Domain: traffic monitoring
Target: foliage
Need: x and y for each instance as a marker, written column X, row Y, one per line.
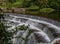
column 11, row 1
column 33, row 7
column 55, row 4
column 23, row 27
column 46, row 10
column 18, row 4
column 35, row 3
column 5, row 36
column 26, row 4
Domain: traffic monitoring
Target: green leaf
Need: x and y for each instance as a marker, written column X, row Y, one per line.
column 46, row 10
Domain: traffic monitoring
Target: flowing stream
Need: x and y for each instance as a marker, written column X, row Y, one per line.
column 44, row 30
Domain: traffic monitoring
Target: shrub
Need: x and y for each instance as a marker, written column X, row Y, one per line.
column 46, row 10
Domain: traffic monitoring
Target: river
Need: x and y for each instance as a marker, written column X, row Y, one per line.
column 45, row 30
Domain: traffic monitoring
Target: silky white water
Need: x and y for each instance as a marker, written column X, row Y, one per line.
column 40, row 28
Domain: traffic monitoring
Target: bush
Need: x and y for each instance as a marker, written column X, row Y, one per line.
column 33, row 8
column 18, row 4
column 46, row 10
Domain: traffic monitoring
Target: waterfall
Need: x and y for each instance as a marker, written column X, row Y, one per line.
column 43, row 29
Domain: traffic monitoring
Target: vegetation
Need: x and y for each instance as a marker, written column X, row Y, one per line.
column 44, row 8
column 54, row 4
column 5, row 36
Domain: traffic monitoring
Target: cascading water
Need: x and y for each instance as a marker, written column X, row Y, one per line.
column 44, row 30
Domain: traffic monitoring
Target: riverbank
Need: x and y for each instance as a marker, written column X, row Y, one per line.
column 34, row 13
